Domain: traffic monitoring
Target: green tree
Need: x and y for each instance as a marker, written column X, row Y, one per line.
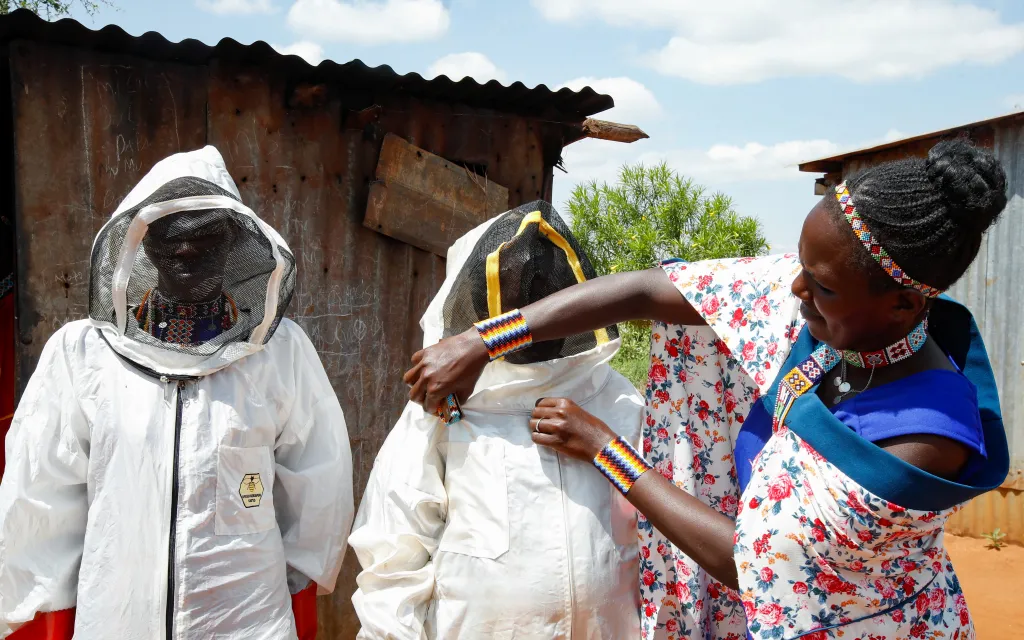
column 51, row 9
column 653, row 213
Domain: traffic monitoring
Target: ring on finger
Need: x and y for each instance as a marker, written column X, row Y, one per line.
column 536, row 427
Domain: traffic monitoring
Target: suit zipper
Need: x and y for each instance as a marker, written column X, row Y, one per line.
column 172, row 538
column 568, row 546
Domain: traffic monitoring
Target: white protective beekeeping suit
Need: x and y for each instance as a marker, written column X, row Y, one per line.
column 472, row 531
column 175, row 470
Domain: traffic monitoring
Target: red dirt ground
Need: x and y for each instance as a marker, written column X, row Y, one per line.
column 993, row 582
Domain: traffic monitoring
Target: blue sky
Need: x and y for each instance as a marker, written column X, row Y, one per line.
column 732, row 92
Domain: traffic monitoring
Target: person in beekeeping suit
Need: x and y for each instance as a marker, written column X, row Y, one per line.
column 473, row 531
column 179, row 465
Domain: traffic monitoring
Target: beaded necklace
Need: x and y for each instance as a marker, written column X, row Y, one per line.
column 184, row 323
column 895, row 352
column 812, row 370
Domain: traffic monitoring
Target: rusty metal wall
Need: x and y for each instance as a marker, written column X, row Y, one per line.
column 993, row 288
column 1001, row 509
column 87, row 126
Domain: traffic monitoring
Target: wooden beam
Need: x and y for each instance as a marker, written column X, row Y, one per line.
column 604, row 130
column 427, row 201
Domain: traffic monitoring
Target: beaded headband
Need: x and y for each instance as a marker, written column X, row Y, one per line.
column 884, row 260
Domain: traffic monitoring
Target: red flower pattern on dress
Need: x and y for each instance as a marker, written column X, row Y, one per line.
column 710, row 306
column 770, row 615
column 842, row 564
column 780, row 488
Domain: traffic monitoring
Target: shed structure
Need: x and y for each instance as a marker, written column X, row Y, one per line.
column 368, row 174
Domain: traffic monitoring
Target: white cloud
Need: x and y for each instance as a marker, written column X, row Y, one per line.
column 720, row 164
column 460, row 65
column 762, row 179
column 311, row 52
column 634, row 102
column 743, row 41
column 370, row 21
column 724, row 163
column 236, row 7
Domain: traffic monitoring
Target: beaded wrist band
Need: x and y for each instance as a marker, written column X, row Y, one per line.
column 450, row 412
column 505, row 334
column 622, row 464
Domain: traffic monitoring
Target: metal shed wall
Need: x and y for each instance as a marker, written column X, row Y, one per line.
column 993, row 289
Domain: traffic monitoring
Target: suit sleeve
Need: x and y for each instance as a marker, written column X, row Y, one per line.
column 43, row 497
column 313, row 481
column 397, row 530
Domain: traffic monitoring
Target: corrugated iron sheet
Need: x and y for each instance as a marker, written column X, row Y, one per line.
column 1002, row 509
column 563, row 105
column 88, row 125
column 843, row 161
column 993, row 289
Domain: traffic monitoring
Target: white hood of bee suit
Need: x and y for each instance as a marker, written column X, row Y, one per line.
column 508, row 380
column 191, row 181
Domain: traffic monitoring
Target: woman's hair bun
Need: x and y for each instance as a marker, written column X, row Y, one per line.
column 970, row 181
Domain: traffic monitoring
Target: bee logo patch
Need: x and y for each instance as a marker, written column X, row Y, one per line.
column 251, row 490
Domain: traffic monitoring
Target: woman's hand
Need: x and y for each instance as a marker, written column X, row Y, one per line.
column 450, row 366
column 561, row 424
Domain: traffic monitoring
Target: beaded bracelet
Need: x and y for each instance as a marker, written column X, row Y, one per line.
column 505, row 334
column 621, row 463
column 450, row 412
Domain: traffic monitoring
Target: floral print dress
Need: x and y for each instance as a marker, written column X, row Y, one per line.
column 698, row 397
column 817, row 553
column 820, row 554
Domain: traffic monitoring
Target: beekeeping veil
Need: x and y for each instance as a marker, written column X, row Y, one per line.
column 519, row 257
column 185, row 279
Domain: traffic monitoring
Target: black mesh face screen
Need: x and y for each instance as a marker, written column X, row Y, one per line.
column 199, row 279
column 531, row 266
column 189, row 252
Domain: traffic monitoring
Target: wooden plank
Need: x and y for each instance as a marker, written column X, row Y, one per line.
column 427, row 201
column 87, row 127
column 612, row 131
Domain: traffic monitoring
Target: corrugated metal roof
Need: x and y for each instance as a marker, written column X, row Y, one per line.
column 834, row 163
column 564, row 104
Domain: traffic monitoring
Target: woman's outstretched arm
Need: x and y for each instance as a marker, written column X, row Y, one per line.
column 454, row 364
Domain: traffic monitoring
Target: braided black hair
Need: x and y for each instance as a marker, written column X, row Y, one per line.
column 929, row 214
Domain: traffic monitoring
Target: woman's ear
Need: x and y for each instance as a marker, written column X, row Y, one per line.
column 907, row 305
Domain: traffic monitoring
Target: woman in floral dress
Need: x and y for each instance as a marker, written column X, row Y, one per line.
column 815, row 418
